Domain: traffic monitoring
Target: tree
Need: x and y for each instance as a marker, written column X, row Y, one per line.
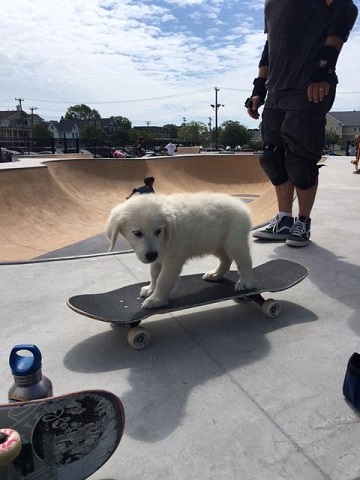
column 92, row 132
column 41, row 135
column 82, row 112
column 122, row 130
column 233, row 133
column 41, row 131
column 173, row 130
column 192, row 133
column 332, row 138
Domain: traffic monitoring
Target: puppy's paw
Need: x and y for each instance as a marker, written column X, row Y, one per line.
column 243, row 286
column 146, row 291
column 212, row 276
column 153, row 302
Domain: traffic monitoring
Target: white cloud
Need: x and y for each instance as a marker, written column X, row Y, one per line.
column 116, row 55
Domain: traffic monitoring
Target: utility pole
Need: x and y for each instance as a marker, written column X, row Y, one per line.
column 20, row 105
column 20, row 100
column 32, row 126
column 32, row 116
column 210, row 132
column 216, row 107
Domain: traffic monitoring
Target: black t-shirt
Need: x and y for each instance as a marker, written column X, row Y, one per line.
column 144, row 189
column 296, row 30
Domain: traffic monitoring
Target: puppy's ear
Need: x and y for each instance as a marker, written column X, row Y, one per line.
column 114, row 225
column 170, row 226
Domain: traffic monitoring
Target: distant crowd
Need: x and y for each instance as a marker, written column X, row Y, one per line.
column 140, row 150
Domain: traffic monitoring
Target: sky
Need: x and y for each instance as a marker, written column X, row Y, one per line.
column 152, row 61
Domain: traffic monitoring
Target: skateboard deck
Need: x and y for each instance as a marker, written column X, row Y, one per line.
column 123, row 305
column 67, row 437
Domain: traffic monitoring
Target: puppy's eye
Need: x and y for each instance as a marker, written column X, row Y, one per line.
column 137, row 233
column 158, row 231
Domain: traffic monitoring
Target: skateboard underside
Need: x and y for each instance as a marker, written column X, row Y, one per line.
column 67, row 437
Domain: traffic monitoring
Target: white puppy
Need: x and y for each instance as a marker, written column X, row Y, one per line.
column 167, row 230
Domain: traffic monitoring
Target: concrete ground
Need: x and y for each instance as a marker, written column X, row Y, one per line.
column 221, row 392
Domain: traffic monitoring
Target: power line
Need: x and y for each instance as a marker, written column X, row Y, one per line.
column 123, row 101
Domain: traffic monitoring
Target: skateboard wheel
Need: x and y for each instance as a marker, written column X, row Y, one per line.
column 271, row 308
column 10, row 445
column 138, row 338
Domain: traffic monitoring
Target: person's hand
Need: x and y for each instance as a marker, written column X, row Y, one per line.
column 252, row 109
column 317, row 91
column 257, row 97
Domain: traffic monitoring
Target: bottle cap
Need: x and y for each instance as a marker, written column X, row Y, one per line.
column 25, row 364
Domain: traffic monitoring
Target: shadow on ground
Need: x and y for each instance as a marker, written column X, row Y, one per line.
column 187, row 351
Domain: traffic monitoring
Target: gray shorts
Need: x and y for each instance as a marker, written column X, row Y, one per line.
column 290, row 121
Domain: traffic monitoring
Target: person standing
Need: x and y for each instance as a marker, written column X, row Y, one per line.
column 297, row 82
column 357, row 156
column 139, row 147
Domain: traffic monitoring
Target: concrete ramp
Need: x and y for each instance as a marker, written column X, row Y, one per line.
column 64, row 201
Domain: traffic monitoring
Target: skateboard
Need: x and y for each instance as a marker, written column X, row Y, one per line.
column 124, row 304
column 65, row 438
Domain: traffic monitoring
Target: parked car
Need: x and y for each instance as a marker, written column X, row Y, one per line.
column 5, row 155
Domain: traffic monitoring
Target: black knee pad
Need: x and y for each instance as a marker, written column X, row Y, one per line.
column 303, row 172
column 272, row 161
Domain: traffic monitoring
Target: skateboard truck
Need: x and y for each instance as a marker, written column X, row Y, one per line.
column 270, row 307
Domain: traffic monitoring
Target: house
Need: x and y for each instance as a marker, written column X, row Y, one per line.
column 66, row 131
column 344, row 124
column 70, row 129
column 16, row 126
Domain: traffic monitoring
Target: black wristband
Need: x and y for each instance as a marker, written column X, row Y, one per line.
column 325, row 67
column 259, row 90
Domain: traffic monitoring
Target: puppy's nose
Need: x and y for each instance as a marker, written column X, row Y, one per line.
column 151, row 256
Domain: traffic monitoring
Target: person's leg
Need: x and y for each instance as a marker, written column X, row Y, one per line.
column 306, row 199
column 272, row 161
column 299, row 235
column 285, row 196
column 303, row 174
column 280, row 226
column 303, row 131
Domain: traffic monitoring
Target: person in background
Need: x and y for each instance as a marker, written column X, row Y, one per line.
column 297, row 82
column 170, row 148
column 139, row 147
column 118, row 153
column 357, row 156
column 146, row 188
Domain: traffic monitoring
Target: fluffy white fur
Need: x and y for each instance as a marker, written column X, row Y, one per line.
column 167, row 230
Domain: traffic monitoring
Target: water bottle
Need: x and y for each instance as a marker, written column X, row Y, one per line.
column 29, row 382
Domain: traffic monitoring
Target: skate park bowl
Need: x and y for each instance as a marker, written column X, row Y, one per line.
column 51, row 204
